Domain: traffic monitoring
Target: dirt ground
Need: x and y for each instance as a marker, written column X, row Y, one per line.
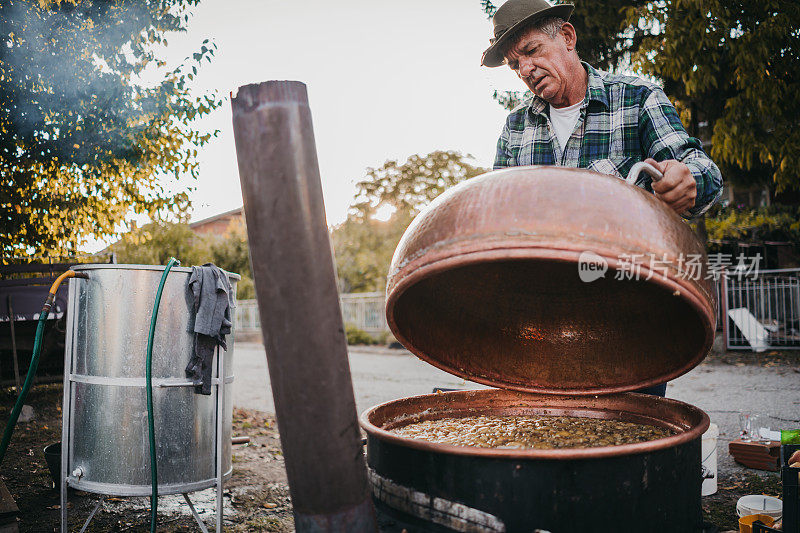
column 256, row 498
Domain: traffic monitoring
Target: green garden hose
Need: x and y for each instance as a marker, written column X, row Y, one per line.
column 150, row 421
column 37, row 349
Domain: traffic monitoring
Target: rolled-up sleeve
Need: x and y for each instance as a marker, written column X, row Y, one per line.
column 663, row 137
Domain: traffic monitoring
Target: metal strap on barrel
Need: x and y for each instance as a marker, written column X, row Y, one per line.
column 453, row 515
column 137, row 382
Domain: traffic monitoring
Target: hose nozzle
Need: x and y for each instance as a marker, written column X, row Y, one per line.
column 54, row 287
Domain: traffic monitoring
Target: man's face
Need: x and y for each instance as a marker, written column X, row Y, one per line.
column 543, row 63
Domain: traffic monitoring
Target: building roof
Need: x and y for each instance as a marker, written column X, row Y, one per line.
column 239, row 211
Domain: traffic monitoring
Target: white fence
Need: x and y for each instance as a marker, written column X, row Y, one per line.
column 762, row 311
column 247, row 318
column 362, row 310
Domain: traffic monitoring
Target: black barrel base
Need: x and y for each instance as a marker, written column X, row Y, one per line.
column 658, row 491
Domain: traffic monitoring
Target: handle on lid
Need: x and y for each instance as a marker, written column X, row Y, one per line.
column 647, row 168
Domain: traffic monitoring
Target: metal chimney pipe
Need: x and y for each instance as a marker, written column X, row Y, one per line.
column 293, row 270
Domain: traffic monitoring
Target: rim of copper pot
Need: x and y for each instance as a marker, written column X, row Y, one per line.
column 698, row 424
column 446, row 258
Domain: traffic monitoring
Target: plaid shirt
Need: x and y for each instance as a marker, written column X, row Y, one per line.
column 623, row 120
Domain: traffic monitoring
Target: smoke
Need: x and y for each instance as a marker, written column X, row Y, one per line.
column 84, row 140
column 69, row 82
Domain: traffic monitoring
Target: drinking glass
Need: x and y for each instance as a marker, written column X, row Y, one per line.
column 755, row 427
column 745, row 428
column 762, row 428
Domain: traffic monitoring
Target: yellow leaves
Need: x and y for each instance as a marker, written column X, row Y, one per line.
column 46, row 4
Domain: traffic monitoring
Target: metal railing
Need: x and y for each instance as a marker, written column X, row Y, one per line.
column 762, row 311
column 247, row 319
column 365, row 311
column 362, row 310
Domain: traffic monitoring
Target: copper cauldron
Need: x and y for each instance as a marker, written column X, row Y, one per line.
column 485, row 284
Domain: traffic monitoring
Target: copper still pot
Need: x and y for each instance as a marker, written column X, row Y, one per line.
column 566, row 288
column 485, row 284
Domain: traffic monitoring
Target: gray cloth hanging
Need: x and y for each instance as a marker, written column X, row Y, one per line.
column 213, row 302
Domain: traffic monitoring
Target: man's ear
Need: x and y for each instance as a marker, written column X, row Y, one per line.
column 568, row 31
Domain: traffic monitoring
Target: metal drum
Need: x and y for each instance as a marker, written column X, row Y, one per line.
column 105, row 410
column 649, row 486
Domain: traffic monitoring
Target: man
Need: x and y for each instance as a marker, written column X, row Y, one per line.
column 582, row 117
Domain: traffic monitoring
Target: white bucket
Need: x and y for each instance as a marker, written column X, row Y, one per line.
column 759, row 504
column 708, row 455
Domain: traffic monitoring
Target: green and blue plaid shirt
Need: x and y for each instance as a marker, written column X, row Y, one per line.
column 623, row 120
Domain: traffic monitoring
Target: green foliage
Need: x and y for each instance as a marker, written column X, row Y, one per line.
column 155, row 243
column 358, row 336
column 731, row 68
column 772, row 223
column 363, row 244
column 246, row 289
column 363, row 250
column 231, row 252
column 734, row 66
column 84, row 141
column 409, row 186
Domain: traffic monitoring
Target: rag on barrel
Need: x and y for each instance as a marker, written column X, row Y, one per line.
column 213, row 302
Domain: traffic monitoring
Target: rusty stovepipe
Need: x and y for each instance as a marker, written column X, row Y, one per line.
column 293, row 270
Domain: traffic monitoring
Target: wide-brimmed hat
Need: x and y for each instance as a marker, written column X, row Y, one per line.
column 514, row 15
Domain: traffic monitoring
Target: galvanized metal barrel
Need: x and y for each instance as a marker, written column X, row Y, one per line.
column 105, row 400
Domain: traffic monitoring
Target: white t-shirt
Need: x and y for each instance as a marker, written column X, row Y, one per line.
column 564, row 121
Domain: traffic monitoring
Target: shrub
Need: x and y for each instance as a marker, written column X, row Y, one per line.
column 770, row 223
column 357, row 336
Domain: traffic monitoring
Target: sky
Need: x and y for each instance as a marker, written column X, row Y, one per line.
column 385, row 80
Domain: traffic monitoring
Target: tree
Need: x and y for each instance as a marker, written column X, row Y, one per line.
column 363, row 244
column 155, row 243
column 731, row 68
column 232, row 253
column 409, row 186
column 363, row 250
column 84, row 141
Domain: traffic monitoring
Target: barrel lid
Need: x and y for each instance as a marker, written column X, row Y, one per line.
column 485, row 284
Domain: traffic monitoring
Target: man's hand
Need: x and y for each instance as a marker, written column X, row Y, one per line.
column 794, row 460
column 677, row 188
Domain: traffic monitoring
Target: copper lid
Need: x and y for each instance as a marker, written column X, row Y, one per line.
column 485, row 284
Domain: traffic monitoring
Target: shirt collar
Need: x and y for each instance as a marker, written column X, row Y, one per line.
column 595, row 90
